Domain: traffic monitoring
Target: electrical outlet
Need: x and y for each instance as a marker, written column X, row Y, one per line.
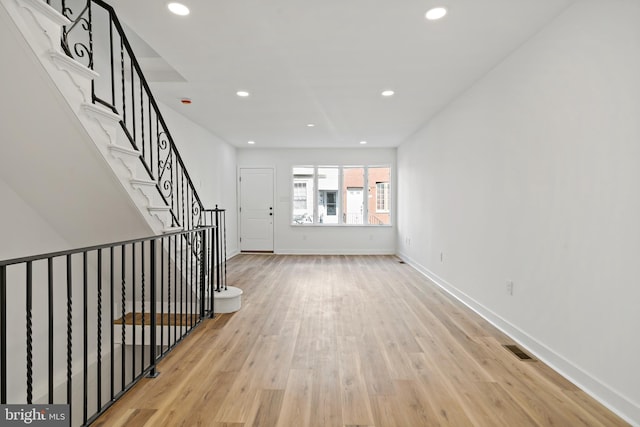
column 510, row 288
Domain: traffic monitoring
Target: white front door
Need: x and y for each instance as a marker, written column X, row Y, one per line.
column 256, row 209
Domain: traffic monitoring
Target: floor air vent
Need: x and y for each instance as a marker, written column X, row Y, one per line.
column 520, row 354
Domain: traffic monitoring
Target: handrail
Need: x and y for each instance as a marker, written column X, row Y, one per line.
column 131, row 92
column 88, row 248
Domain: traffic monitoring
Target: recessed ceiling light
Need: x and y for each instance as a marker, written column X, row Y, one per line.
column 436, row 13
column 251, row 142
column 387, row 93
column 363, row 142
column 242, row 93
column 311, row 125
column 178, row 9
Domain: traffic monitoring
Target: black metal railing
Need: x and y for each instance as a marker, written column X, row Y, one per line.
column 97, row 39
column 218, row 218
column 81, row 327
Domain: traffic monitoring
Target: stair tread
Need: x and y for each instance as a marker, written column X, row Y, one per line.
column 167, row 319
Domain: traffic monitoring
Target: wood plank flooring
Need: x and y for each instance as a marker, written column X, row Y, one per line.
column 339, row 341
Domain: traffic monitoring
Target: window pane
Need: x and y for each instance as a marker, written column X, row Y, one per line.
column 328, row 195
column 378, row 205
column 302, row 195
column 353, row 195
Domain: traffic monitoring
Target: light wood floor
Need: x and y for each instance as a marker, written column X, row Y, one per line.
column 349, row 341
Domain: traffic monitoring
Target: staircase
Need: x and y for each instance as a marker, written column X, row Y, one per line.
column 160, row 287
column 129, row 132
column 95, row 69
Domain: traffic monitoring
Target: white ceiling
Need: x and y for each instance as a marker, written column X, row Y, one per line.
column 324, row 62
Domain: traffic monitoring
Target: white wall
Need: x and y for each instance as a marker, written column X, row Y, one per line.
column 211, row 163
column 321, row 239
column 532, row 176
column 28, row 232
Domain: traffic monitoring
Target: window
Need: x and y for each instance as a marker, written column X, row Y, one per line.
column 341, row 195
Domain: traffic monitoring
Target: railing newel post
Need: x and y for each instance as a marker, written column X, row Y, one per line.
column 217, row 249
column 203, row 268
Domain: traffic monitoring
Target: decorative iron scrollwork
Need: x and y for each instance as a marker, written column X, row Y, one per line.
column 196, row 243
column 165, row 165
column 81, row 50
column 167, row 188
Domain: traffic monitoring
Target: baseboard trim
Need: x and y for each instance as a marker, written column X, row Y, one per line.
column 334, row 252
column 607, row 396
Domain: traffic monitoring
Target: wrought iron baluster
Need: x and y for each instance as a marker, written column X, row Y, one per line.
column 150, row 137
column 112, row 62
column 224, row 252
column 143, row 304
column 169, row 296
column 50, row 312
column 123, row 294
column 175, row 290
column 123, row 82
column 133, row 103
column 133, row 317
column 182, row 277
column 111, row 319
column 99, row 338
column 85, row 349
column 91, row 56
column 188, row 279
column 184, row 225
column 69, row 331
column 217, row 251
column 29, row 319
column 3, row 334
column 142, row 141
column 152, row 338
column 161, row 295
